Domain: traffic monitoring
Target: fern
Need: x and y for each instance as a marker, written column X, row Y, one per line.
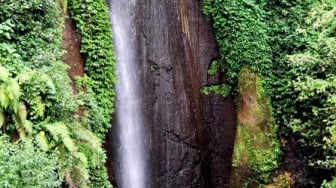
column 36, row 99
column 4, row 74
column 4, row 99
column 60, row 133
column 23, row 165
column 81, row 175
column 13, row 91
column 42, row 141
column 24, row 127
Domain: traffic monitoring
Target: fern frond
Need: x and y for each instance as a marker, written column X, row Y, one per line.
column 13, row 89
column 84, row 134
column 4, row 99
column 20, row 118
column 42, row 141
column 70, row 180
column 23, row 77
column 60, row 132
column 89, row 144
column 4, row 74
column 81, row 175
column 24, row 127
column 82, row 158
column 22, row 111
column 95, row 156
column 76, row 176
column 64, row 4
column 48, row 81
column 39, row 106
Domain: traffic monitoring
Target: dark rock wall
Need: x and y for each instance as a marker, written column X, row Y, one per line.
column 189, row 136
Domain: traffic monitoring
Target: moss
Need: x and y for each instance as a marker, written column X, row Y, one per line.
column 256, row 148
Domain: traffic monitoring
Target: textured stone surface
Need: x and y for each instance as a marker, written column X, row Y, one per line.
column 255, row 143
column 189, row 135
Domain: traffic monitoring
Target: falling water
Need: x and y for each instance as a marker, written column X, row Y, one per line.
column 129, row 116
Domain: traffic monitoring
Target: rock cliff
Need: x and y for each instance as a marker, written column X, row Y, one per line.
column 190, row 136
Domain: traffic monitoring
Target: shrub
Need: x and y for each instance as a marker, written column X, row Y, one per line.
column 22, row 164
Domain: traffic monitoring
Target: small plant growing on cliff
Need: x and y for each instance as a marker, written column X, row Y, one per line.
column 223, row 90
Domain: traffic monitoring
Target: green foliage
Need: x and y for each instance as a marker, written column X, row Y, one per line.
column 36, row 98
column 10, row 103
column 315, row 84
column 330, row 184
column 33, row 27
column 23, row 165
column 241, row 34
column 264, row 161
column 69, row 138
column 92, row 112
column 214, row 68
column 297, row 39
column 223, row 90
column 303, row 92
column 99, row 178
column 92, row 21
column 286, row 18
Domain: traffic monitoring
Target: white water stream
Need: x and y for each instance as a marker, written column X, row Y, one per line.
column 128, row 109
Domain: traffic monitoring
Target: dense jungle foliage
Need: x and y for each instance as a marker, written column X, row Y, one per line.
column 43, row 143
column 291, row 45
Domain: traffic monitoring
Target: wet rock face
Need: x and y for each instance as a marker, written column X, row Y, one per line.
column 189, row 135
column 172, row 106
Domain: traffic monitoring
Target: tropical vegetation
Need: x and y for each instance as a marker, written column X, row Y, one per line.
column 291, row 46
column 44, row 141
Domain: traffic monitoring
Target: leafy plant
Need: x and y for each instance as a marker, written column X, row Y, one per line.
column 330, row 184
column 223, row 90
column 36, row 98
column 23, row 165
column 315, row 84
column 303, row 89
column 92, row 21
column 69, row 138
column 10, row 104
column 241, row 33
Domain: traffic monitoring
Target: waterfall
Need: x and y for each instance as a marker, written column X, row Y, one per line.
column 128, row 103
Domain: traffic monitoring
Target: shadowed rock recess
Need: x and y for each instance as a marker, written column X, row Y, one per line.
column 189, row 135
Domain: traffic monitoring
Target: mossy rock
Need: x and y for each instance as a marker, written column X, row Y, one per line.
column 256, row 148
